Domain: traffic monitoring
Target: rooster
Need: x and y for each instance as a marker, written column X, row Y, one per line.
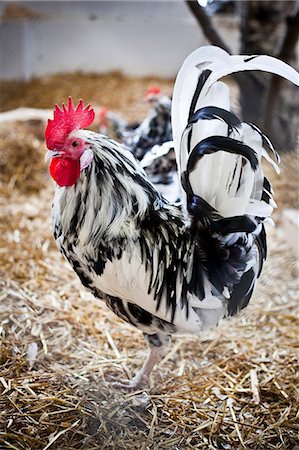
column 150, row 141
column 155, row 129
column 168, row 269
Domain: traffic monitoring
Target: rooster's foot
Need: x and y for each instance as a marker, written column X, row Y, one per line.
column 136, row 383
column 158, row 346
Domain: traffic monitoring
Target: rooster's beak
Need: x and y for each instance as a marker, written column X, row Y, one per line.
column 50, row 154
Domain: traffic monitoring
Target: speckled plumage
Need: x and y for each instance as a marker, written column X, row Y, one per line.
column 164, row 268
column 129, row 246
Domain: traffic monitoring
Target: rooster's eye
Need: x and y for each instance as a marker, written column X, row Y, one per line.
column 75, row 144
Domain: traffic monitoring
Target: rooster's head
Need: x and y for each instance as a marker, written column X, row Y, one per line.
column 152, row 94
column 67, row 149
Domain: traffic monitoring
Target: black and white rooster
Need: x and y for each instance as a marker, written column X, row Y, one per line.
column 163, row 268
column 155, row 128
column 150, row 141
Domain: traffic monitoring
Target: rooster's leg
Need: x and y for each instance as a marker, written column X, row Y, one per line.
column 158, row 345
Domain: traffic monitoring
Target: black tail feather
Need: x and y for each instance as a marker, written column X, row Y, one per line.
column 235, row 224
column 215, row 144
column 200, row 210
column 200, row 84
column 213, row 112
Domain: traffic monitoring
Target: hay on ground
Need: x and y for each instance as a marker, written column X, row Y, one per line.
column 233, row 388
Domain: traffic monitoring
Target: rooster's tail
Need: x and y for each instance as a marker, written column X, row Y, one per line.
column 219, row 161
column 231, row 178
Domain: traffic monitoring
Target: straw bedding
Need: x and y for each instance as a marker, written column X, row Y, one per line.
column 233, row 388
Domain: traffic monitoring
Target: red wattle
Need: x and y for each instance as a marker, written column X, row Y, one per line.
column 65, row 171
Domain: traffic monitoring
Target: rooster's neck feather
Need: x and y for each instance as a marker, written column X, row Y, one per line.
column 111, row 196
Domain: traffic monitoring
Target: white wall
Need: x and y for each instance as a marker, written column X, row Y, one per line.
column 136, row 37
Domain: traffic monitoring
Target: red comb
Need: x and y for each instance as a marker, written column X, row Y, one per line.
column 65, row 121
column 152, row 90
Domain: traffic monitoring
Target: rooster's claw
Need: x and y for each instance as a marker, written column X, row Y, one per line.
column 136, row 383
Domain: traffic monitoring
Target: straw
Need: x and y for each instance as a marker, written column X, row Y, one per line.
column 232, row 388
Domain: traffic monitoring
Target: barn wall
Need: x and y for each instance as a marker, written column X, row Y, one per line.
column 136, row 37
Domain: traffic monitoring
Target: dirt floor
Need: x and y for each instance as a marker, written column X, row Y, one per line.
column 233, row 388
